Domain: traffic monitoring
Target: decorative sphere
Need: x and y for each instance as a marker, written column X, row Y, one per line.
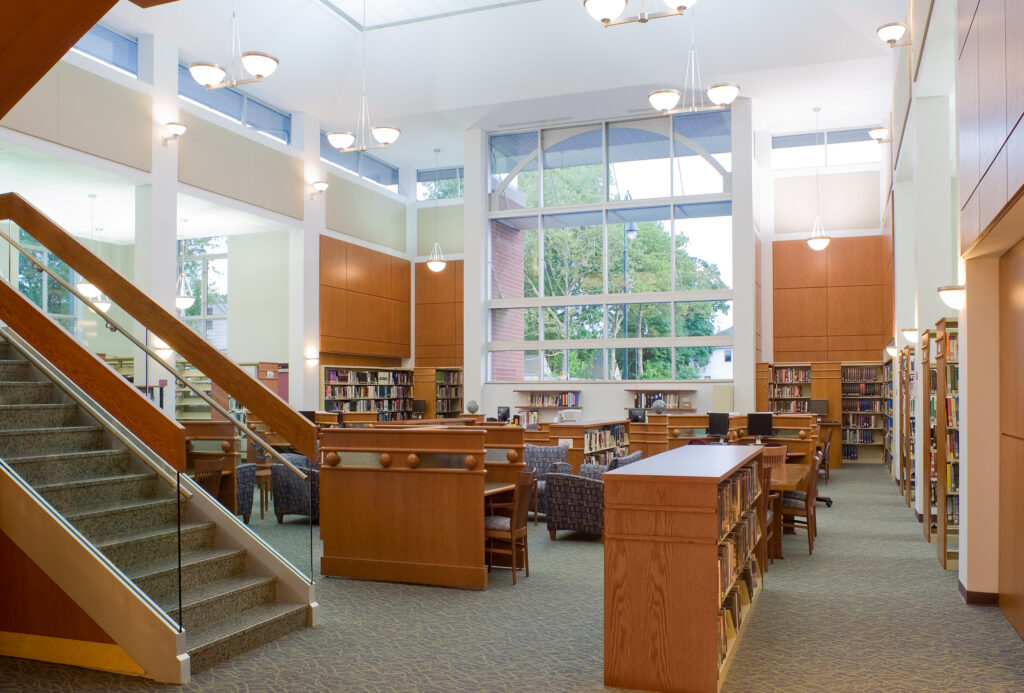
column 512, row 456
column 675, row 432
column 803, row 435
column 472, row 407
column 385, row 460
column 413, row 460
column 227, row 446
column 658, row 407
column 333, row 458
column 470, row 462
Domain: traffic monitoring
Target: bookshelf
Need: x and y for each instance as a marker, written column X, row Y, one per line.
column 188, row 406
column 888, row 451
column 928, row 380
column 386, row 392
column 125, row 365
column 683, row 523
column 863, row 412
column 591, row 441
column 947, row 442
column 441, row 389
column 908, row 422
column 538, row 401
column 675, row 400
column 789, row 389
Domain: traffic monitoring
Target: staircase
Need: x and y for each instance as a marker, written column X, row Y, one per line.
column 129, row 513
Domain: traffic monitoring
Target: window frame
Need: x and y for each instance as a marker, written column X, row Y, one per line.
column 204, row 294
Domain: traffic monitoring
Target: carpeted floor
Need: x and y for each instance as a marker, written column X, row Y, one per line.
column 869, row 611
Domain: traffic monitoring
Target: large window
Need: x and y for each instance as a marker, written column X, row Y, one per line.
column 204, row 264
column 611, row 251
column 236, row 106
column 110, row 48
column 439, row 183
column 361, row 164
column 824, row 148
column 40, row 288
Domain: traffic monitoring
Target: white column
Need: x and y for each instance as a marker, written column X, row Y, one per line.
column 304, row 272
column 474, row 326
column 744, row 305
column 765, row 220
column 903, row 286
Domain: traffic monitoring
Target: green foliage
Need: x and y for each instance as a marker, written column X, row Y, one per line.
column 441, row 189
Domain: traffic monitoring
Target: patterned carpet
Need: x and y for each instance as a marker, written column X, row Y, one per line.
column 869, row 611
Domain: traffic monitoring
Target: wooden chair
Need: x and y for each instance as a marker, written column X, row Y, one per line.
column 798, row 506
column 774, row 457
column 210, row 474
column 770, row 518
column 510, row 530
column 696, row 441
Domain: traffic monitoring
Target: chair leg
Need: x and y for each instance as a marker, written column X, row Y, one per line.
column 280, row 518
column 536, row 494
column 551, row 533
column 515, row 550
column 526, row 555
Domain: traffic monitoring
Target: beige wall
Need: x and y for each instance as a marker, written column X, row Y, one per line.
column 357, row 211
column 848, row 201
column 212, row 158
column 75, row 108
column 258, row 297
column 450, row 224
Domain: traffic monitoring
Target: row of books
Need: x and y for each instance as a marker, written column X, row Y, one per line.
column 792, row 375
column 952, row 378
column 672, row 400
column 733, row 553
column 862, row 420
column 343, row 375
column 952, row 511
column 863, row 389
column 551, row 399
column 952, row 347
column 444, row 391
column 953, row 411
column 732, row 608
column 792, row 406
column 850, row 452
column 601, row 438
column 448, row 406
column 864, row 405
column 953, row 443
column 858, row 374
column 366, row 391
column 735, row 495
column 369, row 405
column 605, row 457
column 853, row 435
column 787, row 391
column 448, row 377
column 952, row 477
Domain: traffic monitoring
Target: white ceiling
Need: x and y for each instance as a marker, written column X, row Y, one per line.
column 542, row 61
column 384, row 13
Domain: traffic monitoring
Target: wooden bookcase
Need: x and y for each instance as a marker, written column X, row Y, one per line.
column 680, row 567
column 188, row 406
column 864, row 397
column 927, row 382
column 592, row 441
column 441, row 389
column 386, row 392
column 782, row 387
column 888, row 450
column 675, row 400
column 908, row 427
column 553, row 401
column 947, row 442
column 789, row 388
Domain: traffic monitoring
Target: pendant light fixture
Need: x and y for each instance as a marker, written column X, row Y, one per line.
column 720, row 95
column 436, row 262
column 85, row 287
column 819, row 240
column 366, row 135
column 183, row 298
column 256, row 63
column 608, row 11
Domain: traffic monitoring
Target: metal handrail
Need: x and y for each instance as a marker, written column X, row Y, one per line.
column 182, row 378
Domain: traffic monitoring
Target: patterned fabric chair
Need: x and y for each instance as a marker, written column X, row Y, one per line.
column 292, row 494
column 591, row 470
column 246, row 475
column 626, row 459
column 538, row 459
column 576, row 503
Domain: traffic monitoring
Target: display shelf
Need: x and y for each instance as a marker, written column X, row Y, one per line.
column 547, row 400
column 591, row 441
column 675, row 400
column 386, row 392
column 947, row 443
column 441, row 389
column 863, row 408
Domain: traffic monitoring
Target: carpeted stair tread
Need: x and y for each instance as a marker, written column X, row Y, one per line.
column 210, row 591
column 51, row 467
column 74, row 454
column 130, row 551
column 94, row 481
column 188, row 559
column 50, row 430
column 14, row 416
column 153, row 533
column 126, row 505
column 255, row 619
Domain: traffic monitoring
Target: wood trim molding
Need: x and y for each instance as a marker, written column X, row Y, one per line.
column 977, row 598
column 252, row 394
column 105, row 385
column 78, row 653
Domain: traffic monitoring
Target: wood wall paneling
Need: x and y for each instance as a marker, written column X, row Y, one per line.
column 970, row 222
column 795, row 265
column 1011, row 342
column 1011, row 537
column 965, row 10
column 1014, row 29
column 357, row 269
column 818, row 343
column 855, row 310
column 992, row 191
column 854, row 261
column 333, row 263
column 439, row 315
column 969, row 169
column 989, row 23
column 800, row 312
column 1014, row 152
column 333, row 311
column 401, row 280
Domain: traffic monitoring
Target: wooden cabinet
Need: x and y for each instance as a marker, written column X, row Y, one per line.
column 441, row 389
column 385, row 392
column 591, row 441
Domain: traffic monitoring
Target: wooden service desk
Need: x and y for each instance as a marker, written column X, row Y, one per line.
column 404, row 505
column 662, row 591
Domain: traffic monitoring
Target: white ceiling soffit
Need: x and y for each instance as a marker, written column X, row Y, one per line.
column 848, row 201
column 383, row 14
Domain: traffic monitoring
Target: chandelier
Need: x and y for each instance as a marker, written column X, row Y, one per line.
column 819, row 240
column 608, row 11
column 256, row 63
column 719, row 95
column 366, row 135
column 436, row 261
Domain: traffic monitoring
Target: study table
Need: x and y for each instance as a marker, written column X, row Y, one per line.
column 786, row 477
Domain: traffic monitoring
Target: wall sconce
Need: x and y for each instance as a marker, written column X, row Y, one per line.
column 954, row 296
column 891, row 350
column 318, row 188
column 880, row 135
column 892, row 33
column 174, row 131
column 910, row 334
column 311, row 355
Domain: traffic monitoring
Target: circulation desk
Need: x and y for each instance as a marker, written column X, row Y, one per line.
column 663, row 587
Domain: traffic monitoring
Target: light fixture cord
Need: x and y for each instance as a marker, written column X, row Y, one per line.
column 817, row 169
column 437, row 175
column 236, row 45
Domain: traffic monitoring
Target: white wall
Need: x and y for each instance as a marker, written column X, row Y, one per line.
column 258, row 297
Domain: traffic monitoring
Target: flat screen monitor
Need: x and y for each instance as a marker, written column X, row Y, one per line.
column 311, row 415
column 759, row 424
column 818, row 406
column 419, row 406
column 718, row 424
column 503, row 414
column 637, row 415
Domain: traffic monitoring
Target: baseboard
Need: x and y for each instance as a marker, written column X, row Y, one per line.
column 978, row 598
column 918, row 516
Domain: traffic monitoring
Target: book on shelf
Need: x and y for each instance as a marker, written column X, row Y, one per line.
column 862, row 420
column 599, row 440
column 859, row 374
column 952, row 347
column 793, row 406
column 787, row 391
column 735, row 495
column 863, row 405
column 797, row 374
column 862, row 389
column 672, row 400
column 448, row 377
column 565, row 400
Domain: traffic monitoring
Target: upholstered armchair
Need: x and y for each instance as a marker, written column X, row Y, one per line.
column 591, row 470
column 246, row 475
column 626, row 459
column 538, row 459
column 574, row 502
column 292, row 494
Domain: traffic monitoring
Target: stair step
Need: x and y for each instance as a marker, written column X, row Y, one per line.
column 42, row 441
column 28, row 392
column 221, row 599
column 48, row 469
column 37, row 415
column 99, row 524
column 83, row 494
column 149, row 546
column 244, row 631
column 13, row 370
column 3, row 349
column 159, row 579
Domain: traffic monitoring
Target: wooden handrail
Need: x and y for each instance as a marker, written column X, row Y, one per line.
column 164, row 436
column 270, row 408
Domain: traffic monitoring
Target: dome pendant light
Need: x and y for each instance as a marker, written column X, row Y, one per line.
column 720, row 95
column 436, row 262
column 819, row 240
column 183, row 298
column 256, row 63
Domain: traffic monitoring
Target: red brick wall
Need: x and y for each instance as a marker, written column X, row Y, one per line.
column 507, row 274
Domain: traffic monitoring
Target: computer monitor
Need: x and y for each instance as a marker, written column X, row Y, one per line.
column 818, row 406
column 718, row 425
column 637, row 415
column 504, row 414
column 759, row 424
column 419, row 408
column 311, row 415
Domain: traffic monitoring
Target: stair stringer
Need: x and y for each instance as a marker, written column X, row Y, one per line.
column 146, row 634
